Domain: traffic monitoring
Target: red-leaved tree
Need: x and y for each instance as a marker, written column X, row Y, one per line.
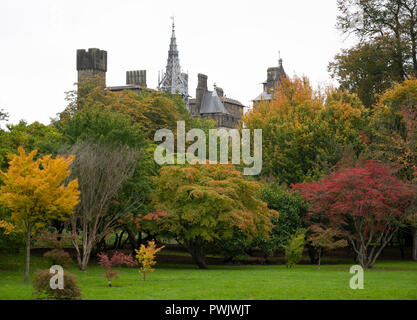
column 118, row 259
column 366, row 204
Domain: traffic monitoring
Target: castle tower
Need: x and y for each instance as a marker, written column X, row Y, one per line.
column 274, row 76
column 91, row 63
column 173, row 80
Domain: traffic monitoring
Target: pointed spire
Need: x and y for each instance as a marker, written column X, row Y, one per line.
column 173, row 80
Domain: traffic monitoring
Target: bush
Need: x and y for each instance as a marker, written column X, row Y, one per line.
column 291, row 207
column 42, row 288
column 59, row 257
column 294, row 249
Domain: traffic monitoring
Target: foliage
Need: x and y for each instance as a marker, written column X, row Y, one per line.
column 146, row 257
column 58, row 257
column 117, row 259
column 392, row 22
column 150, row 110
column 294, row 249
column 365, row 204
column 200, row 204
column 35, row 192
column 324, row 239
column 291, row 208
column 42, row 288
column 35, row 136
column 366, row 69
column 303, row 136
column 394, row 129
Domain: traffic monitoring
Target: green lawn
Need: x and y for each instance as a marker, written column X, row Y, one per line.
column 388, row 280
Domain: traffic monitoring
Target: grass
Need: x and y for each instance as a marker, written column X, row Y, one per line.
column 387, row 280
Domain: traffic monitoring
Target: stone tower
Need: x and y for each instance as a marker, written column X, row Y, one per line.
column 91, row 63
column 274, row 76
column 173, row 80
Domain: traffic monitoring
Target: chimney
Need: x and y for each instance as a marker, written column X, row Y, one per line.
column 137, row 77
column 201, row 89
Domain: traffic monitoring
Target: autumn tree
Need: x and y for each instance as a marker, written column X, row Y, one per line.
column 35, row 191
column 146, row 256
column 393, row 135
column 117, row 259
column 366, row 204
column 324, row 239
column 203, row 203
column 304, row 132
column 150, row 110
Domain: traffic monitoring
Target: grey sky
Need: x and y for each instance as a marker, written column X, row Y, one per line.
column 233, row 42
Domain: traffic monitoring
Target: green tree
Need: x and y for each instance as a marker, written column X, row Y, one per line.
column 366, row 69
column 393, row 22
column 291, row 207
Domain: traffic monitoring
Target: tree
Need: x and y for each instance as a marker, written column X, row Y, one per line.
column 366, row 69
column 392, row 21
column 35, row 192
column 117, row 259
column 291, row 208
column 366, row 204
column 199, row 204
column 35, row 136
column 150, row 110
column 393, row 136
column 101, row 171
column 114, row 166
column 303, row 136
column 146, row 257
column 4, row 116
column 294, row 249
column 324, row 239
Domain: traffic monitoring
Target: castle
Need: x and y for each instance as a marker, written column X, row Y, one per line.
column 226, row 112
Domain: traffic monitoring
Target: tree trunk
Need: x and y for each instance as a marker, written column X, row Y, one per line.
column 414, row 255
column 312, row 253
column 28, row 253
column 198, row 255
column 319, row 258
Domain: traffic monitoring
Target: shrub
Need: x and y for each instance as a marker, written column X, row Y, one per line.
column 294, row 249
column 42, row 288
column 58, row 256
column 146, row 257
column 291, row 207
column 117, row 259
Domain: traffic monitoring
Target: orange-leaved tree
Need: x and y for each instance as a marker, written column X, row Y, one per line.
column 199, row 204
column 146, row 257
column 36, row 192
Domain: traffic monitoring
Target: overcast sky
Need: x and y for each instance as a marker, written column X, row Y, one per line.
column 233, row 42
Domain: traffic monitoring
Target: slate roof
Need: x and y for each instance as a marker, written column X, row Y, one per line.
column 263, row 96
column 212, row 104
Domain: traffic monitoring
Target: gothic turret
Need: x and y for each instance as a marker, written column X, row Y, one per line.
column 173, row 80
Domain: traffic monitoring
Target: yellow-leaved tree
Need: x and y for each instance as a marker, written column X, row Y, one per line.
column 36, row 192
column 146, row 257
